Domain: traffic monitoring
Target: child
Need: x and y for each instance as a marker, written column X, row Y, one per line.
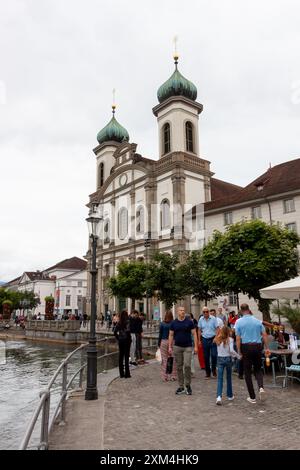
column 225, row 353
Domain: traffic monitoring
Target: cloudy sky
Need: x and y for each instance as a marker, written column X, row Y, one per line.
column 59, row 61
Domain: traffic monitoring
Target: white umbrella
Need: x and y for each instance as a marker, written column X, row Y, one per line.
column 284, row 290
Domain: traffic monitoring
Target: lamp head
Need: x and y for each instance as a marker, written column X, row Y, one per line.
column 93, row 223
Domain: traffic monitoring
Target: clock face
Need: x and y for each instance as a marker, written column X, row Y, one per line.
column 123, row 179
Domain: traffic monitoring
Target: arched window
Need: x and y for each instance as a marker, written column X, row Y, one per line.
column 106, row 231
column 140, row 220
column 189, row 137
column 166, row 138
column 101, row 174
column 123, row 223
column 106, row 270
column 165, row 215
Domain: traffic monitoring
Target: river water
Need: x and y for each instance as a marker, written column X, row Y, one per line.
column 28, row 369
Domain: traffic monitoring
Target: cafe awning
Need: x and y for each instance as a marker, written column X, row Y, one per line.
column 284, row 290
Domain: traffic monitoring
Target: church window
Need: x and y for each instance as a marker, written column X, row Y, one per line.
column 189, row 136
column 106, row 270
column 123, row 223
column 166, row 138
column 165, row 214
column 106, row 231
column 101, row 174
column 140, row 220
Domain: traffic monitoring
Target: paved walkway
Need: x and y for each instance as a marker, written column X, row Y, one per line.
column 144, row 413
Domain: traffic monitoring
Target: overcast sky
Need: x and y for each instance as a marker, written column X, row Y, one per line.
column 59, row 61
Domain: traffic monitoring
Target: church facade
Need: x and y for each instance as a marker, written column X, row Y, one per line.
column 147, row 204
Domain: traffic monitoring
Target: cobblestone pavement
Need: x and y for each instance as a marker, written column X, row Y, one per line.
column 144, row 413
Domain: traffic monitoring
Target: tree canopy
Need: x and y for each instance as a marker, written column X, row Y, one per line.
column 26, row 299
column 191, row 277
column 163, row 278
column 129, row 281
column 250, row 256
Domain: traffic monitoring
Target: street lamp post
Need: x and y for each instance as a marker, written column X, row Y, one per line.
column 147, row 244
column 91, row 392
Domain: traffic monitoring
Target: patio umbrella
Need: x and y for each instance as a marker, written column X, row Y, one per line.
column 284, row 290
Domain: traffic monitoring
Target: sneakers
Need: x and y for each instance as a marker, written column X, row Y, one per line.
column 207, row 377
column 188, row 390
column 219, row 401
column 262, row 394
column 180, row 391
column 230, row 398
column 251, row 400
column 133, row 363
column 241, row 377
column 214, row 375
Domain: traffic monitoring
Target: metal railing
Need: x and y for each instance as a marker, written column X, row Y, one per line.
column 43, row 407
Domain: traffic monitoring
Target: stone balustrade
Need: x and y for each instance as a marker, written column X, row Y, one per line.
column 62, row 325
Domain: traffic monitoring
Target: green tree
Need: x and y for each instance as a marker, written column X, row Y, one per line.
column 250, row 256
column 130, row 281
column 190, row 277
column 17, row 298
column 163, row 278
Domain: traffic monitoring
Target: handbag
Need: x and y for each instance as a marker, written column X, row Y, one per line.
column 169, row 367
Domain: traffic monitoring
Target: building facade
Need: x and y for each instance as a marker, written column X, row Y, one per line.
column 143, row 202
column 66, row 282
column 273, row 197
column 172, row 203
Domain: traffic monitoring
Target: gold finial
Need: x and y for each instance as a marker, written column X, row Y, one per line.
column 114, row 101
column 176, row 56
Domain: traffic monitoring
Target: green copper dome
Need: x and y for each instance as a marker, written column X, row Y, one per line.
column 177, row 85
column 113, row 131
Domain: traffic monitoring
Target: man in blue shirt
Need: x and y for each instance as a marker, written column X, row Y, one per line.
column 208, row 327
column 181, row 331
column 249, row 335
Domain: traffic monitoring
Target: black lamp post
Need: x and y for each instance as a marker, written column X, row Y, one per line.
column 91, row 392
column 147, row 244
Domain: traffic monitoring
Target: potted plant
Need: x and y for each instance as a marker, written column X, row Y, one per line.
column 7, row 309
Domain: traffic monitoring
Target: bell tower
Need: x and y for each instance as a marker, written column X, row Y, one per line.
column 178, row 115
column 109, row 138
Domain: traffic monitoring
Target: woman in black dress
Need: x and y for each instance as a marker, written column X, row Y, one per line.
column 122, row 333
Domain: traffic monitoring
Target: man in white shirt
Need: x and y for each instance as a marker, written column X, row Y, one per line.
column 214, row 314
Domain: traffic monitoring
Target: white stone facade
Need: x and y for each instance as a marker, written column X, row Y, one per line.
column 143, row 198
column 70, row 293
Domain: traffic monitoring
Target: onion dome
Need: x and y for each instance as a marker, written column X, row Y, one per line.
column 113, row 131
column 177, row 85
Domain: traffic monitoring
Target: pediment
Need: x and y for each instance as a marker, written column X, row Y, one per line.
column 124, row 154
column 123, row 177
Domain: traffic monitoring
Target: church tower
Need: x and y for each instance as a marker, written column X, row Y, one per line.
column 109, row 139
column 177, row 115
